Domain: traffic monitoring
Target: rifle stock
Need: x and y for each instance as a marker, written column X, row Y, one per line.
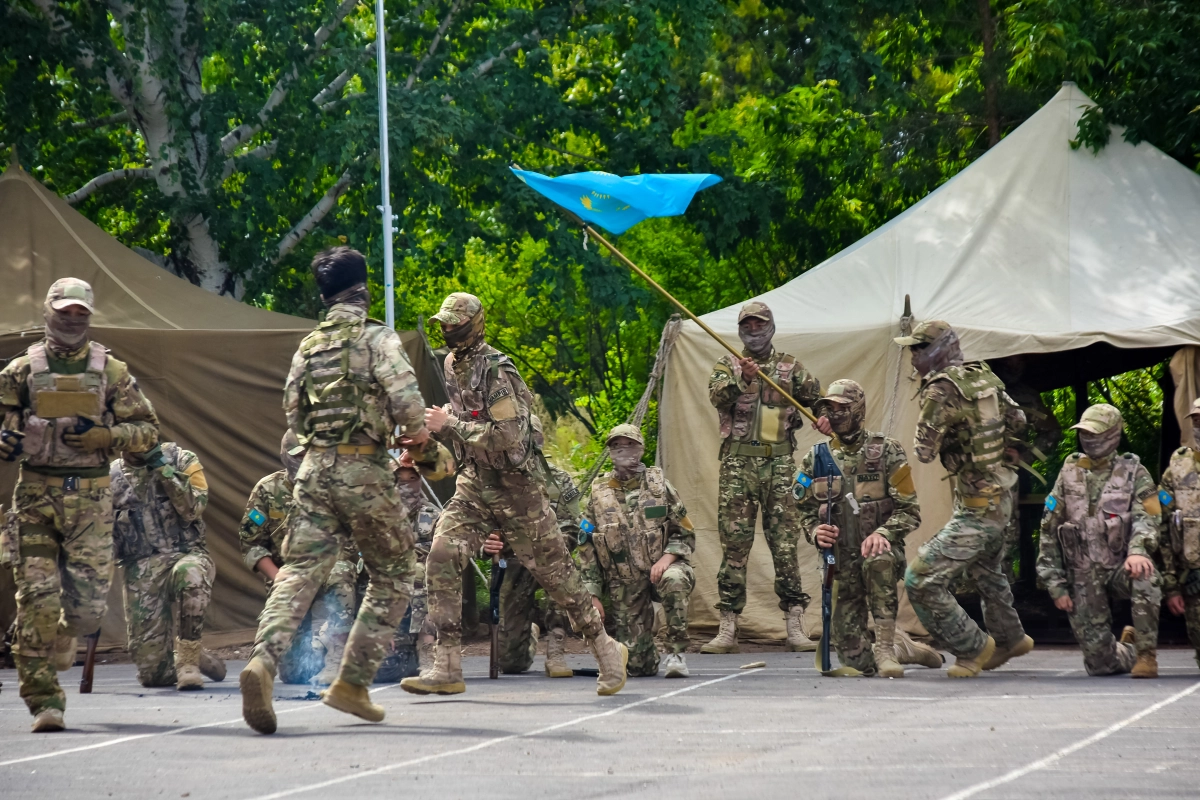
column 89, row 663
column 825, row 468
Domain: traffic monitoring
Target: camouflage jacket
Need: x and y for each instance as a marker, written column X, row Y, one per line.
column 629, row 525
column 876, row 471
column 1179, row 494
column 263, row 525
column 127, row 412
column 1054, row 566
column 564, row 499
column 159, row 510
column 390, row 397
column 754, row 411
column 423, row 519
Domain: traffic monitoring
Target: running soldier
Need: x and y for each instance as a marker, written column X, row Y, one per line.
column 1179, row 494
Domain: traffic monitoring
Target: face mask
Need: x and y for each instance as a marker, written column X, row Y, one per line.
column 941, row 353
column 358, row 295
column 465, row 336
column 842, row 419
column 1099, row 446
column 626, row 458
column 759, row 343
column 410, row 494
column 66, row 332
column 1196, row 435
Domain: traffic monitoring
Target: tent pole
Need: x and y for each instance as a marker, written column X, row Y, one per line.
column 389, row 277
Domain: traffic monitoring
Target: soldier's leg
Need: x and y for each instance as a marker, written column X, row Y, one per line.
column 940, row 563
column 781, row 526
column 457, row 537
column 148, row 619
column 674, row 591
column 737, row 509
column 518, row 611
column 87, row 559
column 1091, row 622
column 1146, row 596
column 192, row 579
column 848, row 627
column 1191, row 616
column 633, row 611
column 995, row 592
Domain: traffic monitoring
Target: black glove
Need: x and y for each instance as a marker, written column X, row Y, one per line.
column 11, row 445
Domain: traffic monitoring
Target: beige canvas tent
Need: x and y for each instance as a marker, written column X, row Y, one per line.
column 1035, row 248
column 213, row 368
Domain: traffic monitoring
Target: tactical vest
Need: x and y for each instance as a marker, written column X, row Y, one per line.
column 145, row 521
column 470, row 403
column 1184, row 521
column 864, row 474
column 629, row 540
column 56, row 402
column 761, row 414
column 981, row 436
column 1100, row 538
column 337, row 383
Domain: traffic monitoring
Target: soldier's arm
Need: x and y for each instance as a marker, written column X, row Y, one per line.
column 723, row 386
column 568, row 511
column 1166, row 551
column 390, row 368
column 1051, row 570
column 932, row 424
column 681, row 534
column 807, row 505
column 906, row 514
column 509, row 412
column 1146, row 514
column 1014, row 420
column 292, row 389
column 589, row 565
column 185, row 485
column 253, row 537
column 12, row 382
column 135, row 425
column 805, row 386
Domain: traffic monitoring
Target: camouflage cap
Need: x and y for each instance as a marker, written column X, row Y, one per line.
column 457, row 308
column 1099, row 418
column 1195, row 408
column 927, row 331
column 626, row 430
column 757, row 309
column 843, row 391
column 70, row 292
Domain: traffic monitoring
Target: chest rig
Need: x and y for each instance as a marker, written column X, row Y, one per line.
column 1097, row 536
column 473, row 388
column 864, row 476
column 1184, row 519
column 760, row 415
column 336, row 399
column 146, row 522
column 631, row 525
column 976, row 431
column 56, row 402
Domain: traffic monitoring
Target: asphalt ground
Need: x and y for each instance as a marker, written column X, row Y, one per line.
column 1037, row 728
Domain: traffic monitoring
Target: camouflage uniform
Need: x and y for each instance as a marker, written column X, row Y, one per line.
column 518, row 605
column 1179, row 494
column 876, row 471
column 160, row 542
column 349, row 386
column 423, row 519
column 627, row 527
column 1046, row 434
column 326, row 626
column 58, row 532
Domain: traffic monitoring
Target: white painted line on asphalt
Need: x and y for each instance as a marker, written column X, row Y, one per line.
column 1042, row 763
column 172, row 732
column 498, row 740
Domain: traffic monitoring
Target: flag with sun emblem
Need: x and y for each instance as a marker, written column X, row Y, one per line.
column 617, row 204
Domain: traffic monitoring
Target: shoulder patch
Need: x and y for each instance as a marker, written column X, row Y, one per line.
column 498, row 395
column 1051, row 502
column 804, row 480
column 256, row 516
column 1165, row 498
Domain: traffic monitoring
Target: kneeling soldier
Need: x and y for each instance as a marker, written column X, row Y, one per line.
column 1098, row 530
column 636, row 536
column 1179, row 494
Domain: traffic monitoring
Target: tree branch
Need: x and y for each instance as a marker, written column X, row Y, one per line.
column 111, row 119
column 101, row 181
column 339, row 83
column 237, row 163
column 248, row 129
column 313, row 217
column 433, row 46
column 486, row 66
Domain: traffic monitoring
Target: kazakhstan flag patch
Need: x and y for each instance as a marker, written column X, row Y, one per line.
column 1165, row 497
column 256, row 516
column 1051, row 502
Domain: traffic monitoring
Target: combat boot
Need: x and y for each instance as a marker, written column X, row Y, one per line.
column 1003, row 654
column 612, row 657
column 1128, row 635
column 971, row 667
column 726, row 639
column 64, row 652
column 1146, row 666
column 424, row 656
column 910, row 651
column 256, row 682
column 48, row 720
column 187, row 665
column 676, row 666
column 884, row 651
column 212, row 666
column 352, row 699
column 556, row 655
column 444, row 677
column 797, row 641
column 334, row 648
column 535, row 633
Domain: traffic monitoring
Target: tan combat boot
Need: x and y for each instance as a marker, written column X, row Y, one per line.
column 612, row 658
column 1146, row 666
column 444, row 677
column 1128, row 635
column 48, row 720
column 884, row 650
column 1003, row 654
column 212, row 666
column 910, row 651
column 424, row 656
column 256, row 683
column 971, row 667
column 64, row 652
column 556, row 655
column 726, row 639
column 187, row 665
column 797, row 641
column 352, row 699
column 334, row 648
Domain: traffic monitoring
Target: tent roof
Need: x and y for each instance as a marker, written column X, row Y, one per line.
column 43, row 239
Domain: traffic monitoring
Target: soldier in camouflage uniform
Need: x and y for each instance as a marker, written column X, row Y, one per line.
column 500, row 487
column 519, row 612
column 874, row 509
column 159, row 499
column 350, row 386
column 66, row 408
column 636, row 538
column 968, row 420
column 1179, row 494
column 316, row 652
column 757, row 428
column 1099, row 529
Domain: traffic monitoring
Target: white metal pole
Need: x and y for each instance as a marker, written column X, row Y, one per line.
column 389, row 277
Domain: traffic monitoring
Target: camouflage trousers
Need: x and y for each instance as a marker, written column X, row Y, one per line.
column 329, row 619
column 748, row 484
column 864, row 585
column 1191, row 616
column 63, row 575
column 418, row 621
column 518, row 611
column 515, row 503
column 1092, row 621
column 338, row 496
column 633, row 611
column 166, row 595
column 969, row 546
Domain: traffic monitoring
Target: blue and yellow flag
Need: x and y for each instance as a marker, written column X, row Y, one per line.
column 617, row 204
